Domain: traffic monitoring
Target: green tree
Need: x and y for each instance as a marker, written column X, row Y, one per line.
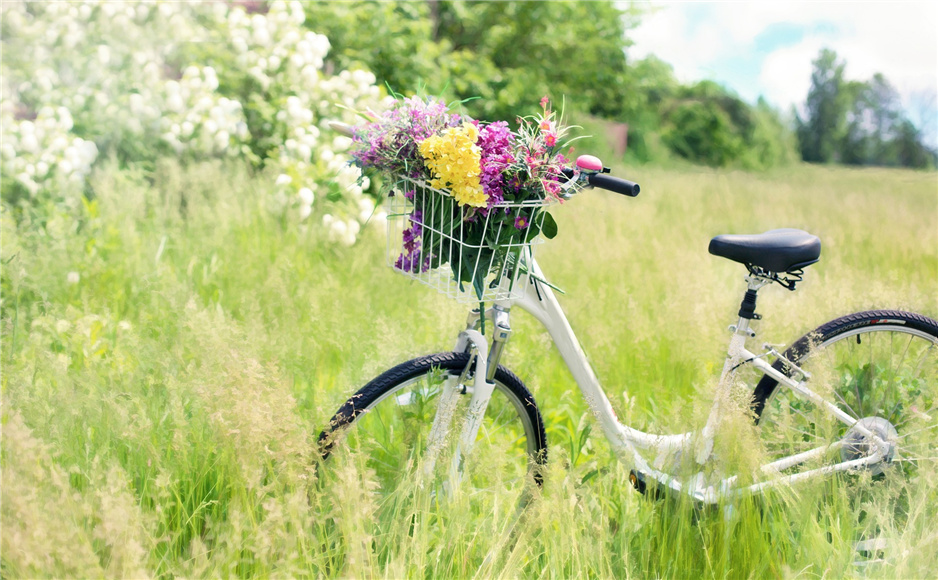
column 570, row 50
column 649, row 84
column 394, row 40
column 820, row 132
column 910, row 149
column 507, row 55
column 772, row 142
column 872, row 123
column 500, row 58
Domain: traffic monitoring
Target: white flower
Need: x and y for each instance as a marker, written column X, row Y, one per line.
column 283, row 179
column 366, row 207
column 72, row 278
column 339, row 229
column 104, row 54
column 222, row 139
column 175, row 102
column 240, row 45
column 306, row 196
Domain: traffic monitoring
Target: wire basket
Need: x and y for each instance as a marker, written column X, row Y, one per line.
column 468, row 254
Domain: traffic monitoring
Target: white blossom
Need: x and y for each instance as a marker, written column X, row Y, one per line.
column 125, row 85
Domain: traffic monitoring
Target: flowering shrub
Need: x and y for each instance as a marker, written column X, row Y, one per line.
column 44, row 152
column 189, row 79
column 494, row 184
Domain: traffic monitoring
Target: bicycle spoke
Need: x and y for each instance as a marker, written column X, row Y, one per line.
column 849, row 409
column 930, row 427
column 867, row 375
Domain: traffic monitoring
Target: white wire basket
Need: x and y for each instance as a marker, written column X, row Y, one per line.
column 468, row 254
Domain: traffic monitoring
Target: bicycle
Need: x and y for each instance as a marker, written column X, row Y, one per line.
column 856, row 393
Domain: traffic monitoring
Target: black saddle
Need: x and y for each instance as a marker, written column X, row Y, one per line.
column 783, row 250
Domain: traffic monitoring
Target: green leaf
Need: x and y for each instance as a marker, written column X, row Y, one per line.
column 549, row 226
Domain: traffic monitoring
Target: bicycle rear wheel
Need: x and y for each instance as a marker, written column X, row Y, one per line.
column 881, row 368
column 386, row 428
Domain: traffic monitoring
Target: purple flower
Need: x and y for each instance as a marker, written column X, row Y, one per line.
column 522, row 222
column 389, row 144
column 496, row 142
column 410, row 260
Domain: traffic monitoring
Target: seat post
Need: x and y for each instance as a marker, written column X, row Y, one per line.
column 734, row 359
column 747, row 308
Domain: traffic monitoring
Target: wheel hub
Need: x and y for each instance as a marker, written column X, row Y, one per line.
column 856, row 445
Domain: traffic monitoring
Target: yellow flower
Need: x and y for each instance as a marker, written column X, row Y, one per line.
column 454, row 161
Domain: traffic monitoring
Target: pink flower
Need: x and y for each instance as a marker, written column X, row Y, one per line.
column 544, row 101
column 550, row 139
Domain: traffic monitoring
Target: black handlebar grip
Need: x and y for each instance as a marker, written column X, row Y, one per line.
column 614, row 184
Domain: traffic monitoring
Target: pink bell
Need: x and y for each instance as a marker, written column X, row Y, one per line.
column 589, row 163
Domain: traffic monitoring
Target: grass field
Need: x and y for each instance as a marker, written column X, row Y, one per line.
column 169, row 361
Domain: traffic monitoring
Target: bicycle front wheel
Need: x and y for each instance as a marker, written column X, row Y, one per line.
column 879, row 367
column 387, row 428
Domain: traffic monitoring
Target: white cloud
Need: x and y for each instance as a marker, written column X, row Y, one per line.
column 786, row 73
column 898, row 39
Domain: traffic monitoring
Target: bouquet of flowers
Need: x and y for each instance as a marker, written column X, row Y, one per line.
column 475, row 192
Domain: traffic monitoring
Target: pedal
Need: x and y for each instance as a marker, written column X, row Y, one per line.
column 637, row 478
column 638, row 481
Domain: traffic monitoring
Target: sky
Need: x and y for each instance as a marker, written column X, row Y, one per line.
column 766, row 48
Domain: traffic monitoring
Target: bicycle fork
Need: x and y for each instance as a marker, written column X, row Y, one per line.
column 485, row 364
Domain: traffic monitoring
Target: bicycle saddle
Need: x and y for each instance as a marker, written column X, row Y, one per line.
column 782, row 250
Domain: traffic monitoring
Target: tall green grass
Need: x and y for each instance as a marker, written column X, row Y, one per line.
column 160, row 414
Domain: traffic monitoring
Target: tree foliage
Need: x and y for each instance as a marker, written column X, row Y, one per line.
column 502, row 57
column 706, row 123
column 505, row 55
column 857, row 122
column 825, row 109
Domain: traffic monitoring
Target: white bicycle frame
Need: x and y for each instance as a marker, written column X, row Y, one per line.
column 631, row 445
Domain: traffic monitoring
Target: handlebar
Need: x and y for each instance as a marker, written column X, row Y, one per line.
column 614, row 184
column 608, row 182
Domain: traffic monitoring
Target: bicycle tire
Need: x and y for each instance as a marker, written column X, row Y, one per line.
column 387, row 421
column 880, row 366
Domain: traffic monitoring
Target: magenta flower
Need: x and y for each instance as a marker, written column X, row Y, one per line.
column 496, row 143
column 521, row 222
